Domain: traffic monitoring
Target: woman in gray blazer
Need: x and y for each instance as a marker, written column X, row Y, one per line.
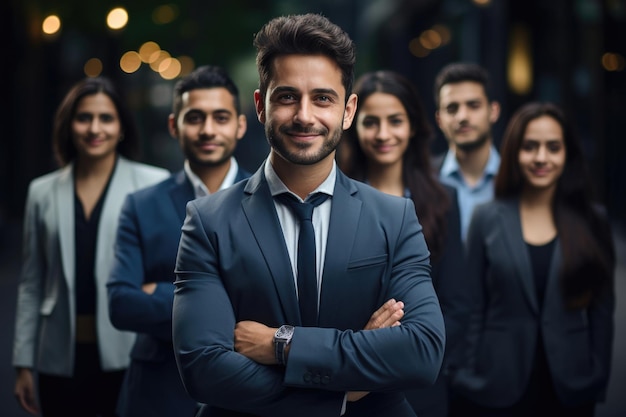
column 62, row 329
column 540, row 274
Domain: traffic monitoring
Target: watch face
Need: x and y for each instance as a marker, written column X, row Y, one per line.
column 284, row 332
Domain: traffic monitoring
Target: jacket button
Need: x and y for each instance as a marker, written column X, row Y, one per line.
column 317, row 378
column 307, row 377
column 325, row 380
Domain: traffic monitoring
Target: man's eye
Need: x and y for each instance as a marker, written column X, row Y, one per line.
column 286, row 97
column 193, row 119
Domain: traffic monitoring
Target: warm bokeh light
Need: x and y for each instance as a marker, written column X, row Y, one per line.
column 165, row 14
column 147, row 50
column 93, row 67
column 430, row 39
column 130, row 62
column 169, row 68
column 444, row 33
column 520, row 61
column 187, row 64
column 51, row 25
column 481, row 3
column 613, row 62
column 156, row 58
column 417, row 49
column 117, row 18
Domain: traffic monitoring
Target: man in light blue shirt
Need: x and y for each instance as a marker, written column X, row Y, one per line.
column 469, row 196
column 465, row 113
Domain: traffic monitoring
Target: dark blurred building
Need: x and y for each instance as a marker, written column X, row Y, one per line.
column 571, row 52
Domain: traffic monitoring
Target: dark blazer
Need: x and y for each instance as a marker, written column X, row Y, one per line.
column 506, row 319
column 147, row 242
column 233, row 265
column 448, row 276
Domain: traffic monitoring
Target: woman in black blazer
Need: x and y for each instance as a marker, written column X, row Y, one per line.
column 387, row 146
column 540, row 275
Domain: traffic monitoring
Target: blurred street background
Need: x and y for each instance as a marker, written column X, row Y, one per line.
column 572, row 52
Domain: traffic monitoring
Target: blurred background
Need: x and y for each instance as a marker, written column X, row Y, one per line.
column 572, row 52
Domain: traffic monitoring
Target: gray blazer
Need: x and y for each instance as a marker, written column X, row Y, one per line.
column 506, row 318
column 45, row 318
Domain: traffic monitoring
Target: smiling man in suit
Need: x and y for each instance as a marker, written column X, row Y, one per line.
column 251, row 338
column 207, row 121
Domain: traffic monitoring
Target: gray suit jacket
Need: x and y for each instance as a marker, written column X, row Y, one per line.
column 506, row 319
column 233, row 265
column 45, row 318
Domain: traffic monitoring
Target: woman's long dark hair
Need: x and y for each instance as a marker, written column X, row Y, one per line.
column 430, row 198
column 63, row 146
column 584, row 232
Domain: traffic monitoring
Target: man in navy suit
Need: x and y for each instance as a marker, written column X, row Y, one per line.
column 242, row 345
column 207, row 122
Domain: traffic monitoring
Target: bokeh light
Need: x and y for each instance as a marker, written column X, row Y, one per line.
column 117, row 18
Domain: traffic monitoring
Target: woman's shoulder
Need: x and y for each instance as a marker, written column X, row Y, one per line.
column 146, row 170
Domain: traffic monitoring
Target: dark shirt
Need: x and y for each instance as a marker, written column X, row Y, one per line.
column 86, row 237
column 540, row 258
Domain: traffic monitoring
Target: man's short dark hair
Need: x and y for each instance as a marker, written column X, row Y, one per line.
column 206, row 76
column 306, row 34
column 458, row 72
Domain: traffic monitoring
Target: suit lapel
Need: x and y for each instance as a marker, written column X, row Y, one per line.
column 259, row 209
column 553, row 289
column 344, row 219
column 65, row 210
column 514, row 239
column 181, row 192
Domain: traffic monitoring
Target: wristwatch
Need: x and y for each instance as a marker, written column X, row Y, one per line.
column 282, row 338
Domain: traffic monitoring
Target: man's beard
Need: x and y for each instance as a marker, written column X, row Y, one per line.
column 277, row 142
column 469, row 147
column 195, row 160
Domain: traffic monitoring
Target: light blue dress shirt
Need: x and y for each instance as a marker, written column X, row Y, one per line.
column 468, row 196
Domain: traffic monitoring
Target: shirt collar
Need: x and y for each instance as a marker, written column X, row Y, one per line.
column 278, row 187
column 200, row 189
column 450, row 165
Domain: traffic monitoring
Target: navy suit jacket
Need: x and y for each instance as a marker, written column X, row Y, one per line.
column 233, row 265
column 145, row 251
column 506, row 319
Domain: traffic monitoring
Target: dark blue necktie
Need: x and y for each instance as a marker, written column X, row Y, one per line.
column 307, row 276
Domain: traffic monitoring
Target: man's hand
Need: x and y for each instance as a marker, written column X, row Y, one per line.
column 25, row 391
column 255, row 341
column 149, row 287
column 388, row 315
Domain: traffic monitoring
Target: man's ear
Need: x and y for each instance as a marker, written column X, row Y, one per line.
column 172, row 127
column 350, row 111
column 259, row 105
column 494, row 113
column 242, row 125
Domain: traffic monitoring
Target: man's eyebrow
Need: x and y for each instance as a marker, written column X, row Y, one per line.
column 326, row 91
column 284, row 89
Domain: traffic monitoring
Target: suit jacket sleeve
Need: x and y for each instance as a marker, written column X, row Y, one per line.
column 130, row 308
column 30, row 283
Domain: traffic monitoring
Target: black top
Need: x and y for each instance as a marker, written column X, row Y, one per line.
column 86, row 237
column 540, row 259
